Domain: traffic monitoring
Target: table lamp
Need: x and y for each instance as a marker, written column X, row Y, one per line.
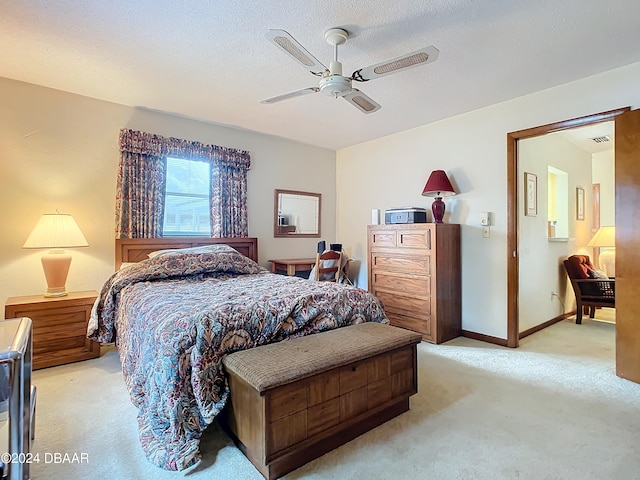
column 438, row 186
column 605, row 238
column 56, row 231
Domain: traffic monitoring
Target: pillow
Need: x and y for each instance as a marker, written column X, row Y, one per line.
column 218, row 247
column 126, row 264
column 595, row 273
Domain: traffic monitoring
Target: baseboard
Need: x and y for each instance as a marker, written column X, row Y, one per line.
column 503, row 342
column 485, row 338
column 546, row 324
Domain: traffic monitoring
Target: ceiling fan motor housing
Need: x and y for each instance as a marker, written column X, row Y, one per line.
column 333, row 83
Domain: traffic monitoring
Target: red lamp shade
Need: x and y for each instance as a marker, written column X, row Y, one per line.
column 438, row 186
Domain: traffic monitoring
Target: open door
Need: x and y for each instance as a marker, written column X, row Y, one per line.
column 514, row 182
column 627, row 154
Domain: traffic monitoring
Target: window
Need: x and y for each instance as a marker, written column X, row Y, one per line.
column 155, row 188
column 186, row 210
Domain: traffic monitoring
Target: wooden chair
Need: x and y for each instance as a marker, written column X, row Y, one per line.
column 590, row 287
column 328, row 266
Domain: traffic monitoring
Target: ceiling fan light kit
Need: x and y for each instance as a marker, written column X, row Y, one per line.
column 332, row 82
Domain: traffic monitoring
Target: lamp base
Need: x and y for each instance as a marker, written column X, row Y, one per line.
column 56, row 268
column 438, row 207
column 56, row 294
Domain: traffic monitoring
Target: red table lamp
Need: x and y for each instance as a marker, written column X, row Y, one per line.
column 438, row 186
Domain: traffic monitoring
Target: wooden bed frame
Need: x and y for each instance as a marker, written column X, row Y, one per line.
column 137, row 249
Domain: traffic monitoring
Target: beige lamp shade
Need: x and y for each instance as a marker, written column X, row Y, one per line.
column 56, row 231
column 605, row 238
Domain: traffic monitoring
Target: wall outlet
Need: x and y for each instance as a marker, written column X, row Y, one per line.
column 486, row 232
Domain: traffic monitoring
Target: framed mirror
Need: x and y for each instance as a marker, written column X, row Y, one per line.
column 296, row 214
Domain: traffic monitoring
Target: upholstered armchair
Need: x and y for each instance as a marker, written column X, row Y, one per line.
column 591, row 287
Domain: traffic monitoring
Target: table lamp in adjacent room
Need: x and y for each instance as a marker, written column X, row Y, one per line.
column 56, row 231
column 605, row 238
column 438, row 186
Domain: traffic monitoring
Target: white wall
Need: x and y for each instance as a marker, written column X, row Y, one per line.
column 604, row 173
column 60, row 151
column 541, row 270
column 391, row 172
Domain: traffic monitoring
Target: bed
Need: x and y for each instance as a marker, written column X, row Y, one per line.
column 175, row 316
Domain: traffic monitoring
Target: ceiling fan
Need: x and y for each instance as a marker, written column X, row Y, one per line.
column 332, row 82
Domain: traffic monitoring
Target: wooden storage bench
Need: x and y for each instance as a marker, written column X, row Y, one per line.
column 295, row 400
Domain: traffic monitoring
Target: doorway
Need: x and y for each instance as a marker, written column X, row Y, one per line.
column 513, row 185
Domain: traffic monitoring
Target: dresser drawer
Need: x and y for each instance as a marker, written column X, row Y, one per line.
column 404, row 305
column 414, row 238
column 395, row 282
column 383, row 238
column 418, row 264
column 401, row 238
column 420, row 325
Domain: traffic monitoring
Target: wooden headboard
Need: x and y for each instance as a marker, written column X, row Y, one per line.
column 137, row 249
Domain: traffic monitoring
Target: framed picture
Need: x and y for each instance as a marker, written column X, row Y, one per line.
column 530, row 194
column 580, row 203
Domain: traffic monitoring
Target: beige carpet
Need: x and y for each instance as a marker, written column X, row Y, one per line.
column 551, row 409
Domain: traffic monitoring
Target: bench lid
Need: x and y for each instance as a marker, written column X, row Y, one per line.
column 276, row 364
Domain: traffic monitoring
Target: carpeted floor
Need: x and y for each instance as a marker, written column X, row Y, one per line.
column 551, row 409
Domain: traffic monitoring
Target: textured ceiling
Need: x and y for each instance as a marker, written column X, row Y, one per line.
column 210, row 60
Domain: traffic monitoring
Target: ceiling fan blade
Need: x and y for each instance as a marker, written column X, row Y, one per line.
column 286, row 96
column 291, row 46
column 364, row 103
column 403, row 62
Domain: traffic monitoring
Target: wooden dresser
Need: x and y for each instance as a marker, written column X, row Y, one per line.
column 414, row 269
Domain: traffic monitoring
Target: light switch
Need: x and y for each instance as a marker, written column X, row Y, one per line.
column 484, row 218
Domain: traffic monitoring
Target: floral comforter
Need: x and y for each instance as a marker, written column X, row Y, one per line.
column 175, row 317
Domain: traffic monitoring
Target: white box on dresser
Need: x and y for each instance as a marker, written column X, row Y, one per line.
column 414, row 269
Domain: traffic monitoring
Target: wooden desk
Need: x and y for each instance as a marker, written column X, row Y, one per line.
column 292, row 265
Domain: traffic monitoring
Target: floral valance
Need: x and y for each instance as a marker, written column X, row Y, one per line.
column 150, row 144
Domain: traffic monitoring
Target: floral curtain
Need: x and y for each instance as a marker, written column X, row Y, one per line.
column 228, row 201
column 141, row 188
column 140, row 195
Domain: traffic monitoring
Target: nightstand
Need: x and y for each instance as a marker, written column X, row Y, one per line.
column 59, row 326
